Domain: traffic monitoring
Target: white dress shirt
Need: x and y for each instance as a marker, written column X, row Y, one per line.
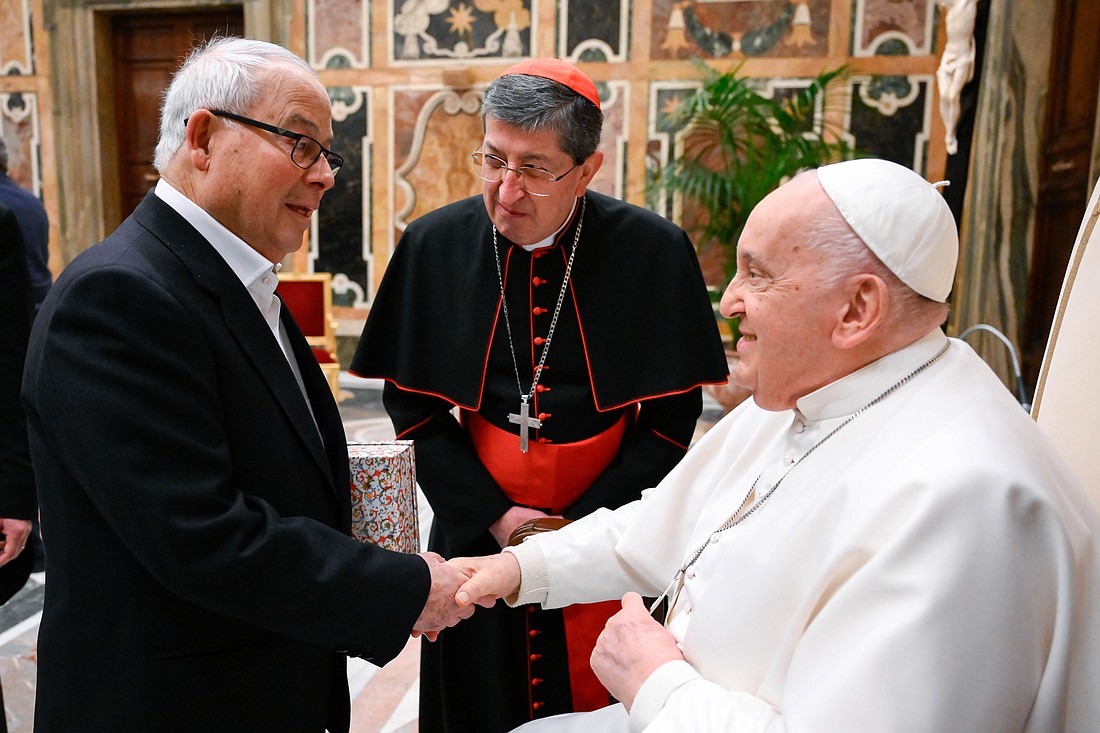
column 255, row 271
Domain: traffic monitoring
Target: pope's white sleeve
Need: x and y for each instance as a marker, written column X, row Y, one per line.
column 532, row 572
column 578, row 563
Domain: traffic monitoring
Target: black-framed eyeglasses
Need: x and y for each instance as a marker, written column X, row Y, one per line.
column 534, row 180
column 306, row 150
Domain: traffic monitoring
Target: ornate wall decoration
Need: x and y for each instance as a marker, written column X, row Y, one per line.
column 339, row 34
column 998, row 240
column 875, row 22
column 891, row 117
column 340, row 241
column 738, row 28
column 435, row 132
column 615, row 103
column 431, row 30
column 19, row 126
column 16, row 44
column 664, row 137
column 589, row 31
column 407, row 112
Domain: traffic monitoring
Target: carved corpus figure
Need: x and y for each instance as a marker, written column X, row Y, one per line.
column 956, row 65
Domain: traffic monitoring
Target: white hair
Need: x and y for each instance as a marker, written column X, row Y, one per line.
column 848, row 255
column 219, row 74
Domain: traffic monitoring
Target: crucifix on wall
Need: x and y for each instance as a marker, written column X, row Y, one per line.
column 956, row 64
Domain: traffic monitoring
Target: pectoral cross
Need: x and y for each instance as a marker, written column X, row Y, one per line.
column 661, row 608
column 525, row 421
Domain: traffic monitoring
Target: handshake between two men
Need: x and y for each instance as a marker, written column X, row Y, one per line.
column 631, row 646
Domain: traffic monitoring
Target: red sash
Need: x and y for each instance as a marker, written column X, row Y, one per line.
column 549, row 475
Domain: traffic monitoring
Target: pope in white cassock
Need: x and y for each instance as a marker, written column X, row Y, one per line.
column 881, row 540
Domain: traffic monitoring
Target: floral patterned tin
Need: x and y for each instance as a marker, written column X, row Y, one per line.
column 383, row 494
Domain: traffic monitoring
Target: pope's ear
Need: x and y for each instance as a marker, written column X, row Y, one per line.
column 863, row 312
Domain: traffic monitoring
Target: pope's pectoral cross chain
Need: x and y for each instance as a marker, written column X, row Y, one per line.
column 525, row 422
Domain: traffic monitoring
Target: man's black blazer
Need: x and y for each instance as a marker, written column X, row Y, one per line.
column 16, row 314
column 200, row 575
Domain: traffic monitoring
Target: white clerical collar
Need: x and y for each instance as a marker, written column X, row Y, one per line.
column 549, row 241
column 848, row 394
column 253, row 269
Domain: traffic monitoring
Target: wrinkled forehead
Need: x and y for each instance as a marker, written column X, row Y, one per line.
column 295, row 99
column 794, row 208
column 779, row 232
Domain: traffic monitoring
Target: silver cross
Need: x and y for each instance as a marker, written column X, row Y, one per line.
column 525, row 421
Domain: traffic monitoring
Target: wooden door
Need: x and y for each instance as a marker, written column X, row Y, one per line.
column 1063, row 167
column 148, row 48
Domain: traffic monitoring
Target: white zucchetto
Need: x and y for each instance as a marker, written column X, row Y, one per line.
column 901, row 217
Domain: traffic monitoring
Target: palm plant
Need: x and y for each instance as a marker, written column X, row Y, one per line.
column 739, row 146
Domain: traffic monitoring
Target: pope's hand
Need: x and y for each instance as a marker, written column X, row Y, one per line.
column 631, row 646
column 491, row 577
column 440, row 610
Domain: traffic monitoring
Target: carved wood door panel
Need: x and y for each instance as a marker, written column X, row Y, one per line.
column 148, row 48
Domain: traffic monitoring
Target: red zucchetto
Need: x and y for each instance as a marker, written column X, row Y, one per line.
column 560, row 71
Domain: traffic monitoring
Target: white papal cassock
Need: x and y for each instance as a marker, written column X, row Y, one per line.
column 931, row 567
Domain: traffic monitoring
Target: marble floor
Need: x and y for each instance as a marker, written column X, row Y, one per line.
column 384, row 700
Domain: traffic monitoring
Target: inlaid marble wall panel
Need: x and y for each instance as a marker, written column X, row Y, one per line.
column 339, row 33
column 615, row 103
column 909, row 24
column 998, row 238
column 891, row 117
column 734, row 28
column 19, row 126
column 665, row 138
column 428, row 31
column 16, row 49
column 594, row 31
column 435, row 130
column 341, row 242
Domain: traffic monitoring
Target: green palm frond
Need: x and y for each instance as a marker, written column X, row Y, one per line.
column 739, row 146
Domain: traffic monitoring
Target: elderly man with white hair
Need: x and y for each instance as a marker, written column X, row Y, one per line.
column 191, row 463
column 880, row 540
